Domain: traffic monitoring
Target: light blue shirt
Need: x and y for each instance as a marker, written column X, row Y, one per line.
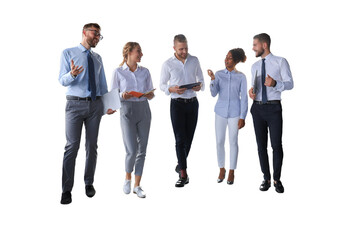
column 78, row 86
column 176, row 73
column 277, row 68
column 126, row 80
column 232, row 89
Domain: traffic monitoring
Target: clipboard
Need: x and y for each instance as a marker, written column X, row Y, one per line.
column 255, row 83
column 191, row 85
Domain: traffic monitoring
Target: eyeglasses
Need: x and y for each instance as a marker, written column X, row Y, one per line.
column 96, row 33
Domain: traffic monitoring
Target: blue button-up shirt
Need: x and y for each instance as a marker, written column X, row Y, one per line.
column 126, row 80
column 232, row 89
column 277, row 68
column 78, row 86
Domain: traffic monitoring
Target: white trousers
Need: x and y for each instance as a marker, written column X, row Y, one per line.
column 220, row 130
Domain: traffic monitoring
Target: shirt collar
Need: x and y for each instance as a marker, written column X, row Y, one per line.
column 268, row 56
column 126, row 67
column 227, row 71
column 187, row 58
column 84, row 49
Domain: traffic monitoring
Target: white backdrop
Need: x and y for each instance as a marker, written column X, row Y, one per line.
column 318, row 38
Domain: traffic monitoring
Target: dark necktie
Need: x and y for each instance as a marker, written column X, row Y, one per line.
column 263, row 74
column 91, row 71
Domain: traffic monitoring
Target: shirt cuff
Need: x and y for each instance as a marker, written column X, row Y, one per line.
column 279, row 85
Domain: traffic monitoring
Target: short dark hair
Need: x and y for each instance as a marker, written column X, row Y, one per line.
column 238, row 55
column 180, row 38
column 263, row 37
column 88, row 25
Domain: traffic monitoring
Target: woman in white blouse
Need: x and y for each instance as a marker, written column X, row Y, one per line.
column 135, row 114
column 230, row 110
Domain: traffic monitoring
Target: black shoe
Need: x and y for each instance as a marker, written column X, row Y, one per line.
column 279, row 187
column 182, row 181
column 66, row 198
column 265, row 185
column 90, row 191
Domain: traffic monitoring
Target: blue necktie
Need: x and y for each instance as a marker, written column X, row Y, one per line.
column 263, row 74
column 91, row 71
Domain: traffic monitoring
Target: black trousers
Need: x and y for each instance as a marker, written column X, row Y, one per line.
column 269, row 117
column 184, row 117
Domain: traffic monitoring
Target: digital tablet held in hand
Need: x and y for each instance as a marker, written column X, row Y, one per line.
column 190, row 86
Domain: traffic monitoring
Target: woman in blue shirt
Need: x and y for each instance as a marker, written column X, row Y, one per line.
column 135, row 114
column 230, row 109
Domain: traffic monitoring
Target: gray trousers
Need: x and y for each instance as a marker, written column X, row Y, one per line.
column 79, row 112
column 135, row 119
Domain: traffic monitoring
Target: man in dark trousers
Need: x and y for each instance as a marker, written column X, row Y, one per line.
column 271, row 76
column 182, row 69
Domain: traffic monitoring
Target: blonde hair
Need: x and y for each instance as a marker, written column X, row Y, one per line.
column 127, row 49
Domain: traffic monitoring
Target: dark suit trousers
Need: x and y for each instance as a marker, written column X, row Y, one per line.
column 184, row 119
column 269, row 117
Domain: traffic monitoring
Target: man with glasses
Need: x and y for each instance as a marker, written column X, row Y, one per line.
column 82, row 72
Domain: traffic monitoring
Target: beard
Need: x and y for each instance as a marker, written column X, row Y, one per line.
column 92, row 42
column 259, row 53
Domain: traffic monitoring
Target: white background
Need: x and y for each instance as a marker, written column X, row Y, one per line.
column 320, row 173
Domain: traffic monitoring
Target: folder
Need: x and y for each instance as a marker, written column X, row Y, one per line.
column 111, row 100
column 139, row 94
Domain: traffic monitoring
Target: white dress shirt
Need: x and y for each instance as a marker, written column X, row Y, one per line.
column 277, row 68
column 126, row 80
column 176, row 73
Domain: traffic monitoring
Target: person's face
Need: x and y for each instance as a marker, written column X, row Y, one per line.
column 229, row 61
column 136, row 54
column 181, row 49
column 258, row 47
column 92, row 36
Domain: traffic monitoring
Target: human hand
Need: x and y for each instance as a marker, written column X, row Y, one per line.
column 110, row 111
column 251, row 94
column 197, row 88
column 177, row 90
column 211, row 74
column 269, row 81
column 241, row 123
column 150, row 95
column 75, row 70
column 126, row 95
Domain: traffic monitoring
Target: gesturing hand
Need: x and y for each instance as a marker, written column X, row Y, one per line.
column 75, row 70
column 211, row 74
column 269, row 81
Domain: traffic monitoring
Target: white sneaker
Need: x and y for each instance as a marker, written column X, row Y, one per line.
column 127, row 186
column 140, row 193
